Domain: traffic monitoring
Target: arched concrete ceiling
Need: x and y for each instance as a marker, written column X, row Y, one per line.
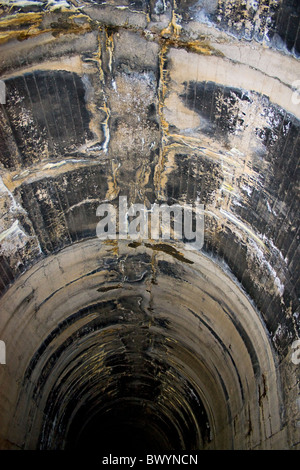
column 162, row 102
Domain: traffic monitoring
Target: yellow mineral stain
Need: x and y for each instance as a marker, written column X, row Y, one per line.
column 20, row 19
column 98, row 58
column 162, row 86
column 113, row 188
column 20, row 35
column 171, row 37
column 173, row 28
column 35, row 27
column 114, row 246
column 142, row 176
column 227, row 187
column 162, row 90
column 198, row 46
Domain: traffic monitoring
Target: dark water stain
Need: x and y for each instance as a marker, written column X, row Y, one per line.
column 170, row 250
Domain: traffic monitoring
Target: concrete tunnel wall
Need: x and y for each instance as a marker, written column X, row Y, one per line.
column 149, row 343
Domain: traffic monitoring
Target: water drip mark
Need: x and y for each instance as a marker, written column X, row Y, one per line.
column 2, row 92
column 2, row 352
column 296, row 354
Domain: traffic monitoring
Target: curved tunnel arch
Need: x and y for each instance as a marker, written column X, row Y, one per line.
column 169, row 107
column 164, row 335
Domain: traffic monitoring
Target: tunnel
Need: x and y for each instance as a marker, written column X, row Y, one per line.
column 149, row 343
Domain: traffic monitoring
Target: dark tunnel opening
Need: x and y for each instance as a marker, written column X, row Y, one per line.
column 130, row 427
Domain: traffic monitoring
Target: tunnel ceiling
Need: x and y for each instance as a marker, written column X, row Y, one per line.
column 163, row 102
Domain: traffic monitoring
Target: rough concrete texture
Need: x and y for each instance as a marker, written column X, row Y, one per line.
column 166, row 102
